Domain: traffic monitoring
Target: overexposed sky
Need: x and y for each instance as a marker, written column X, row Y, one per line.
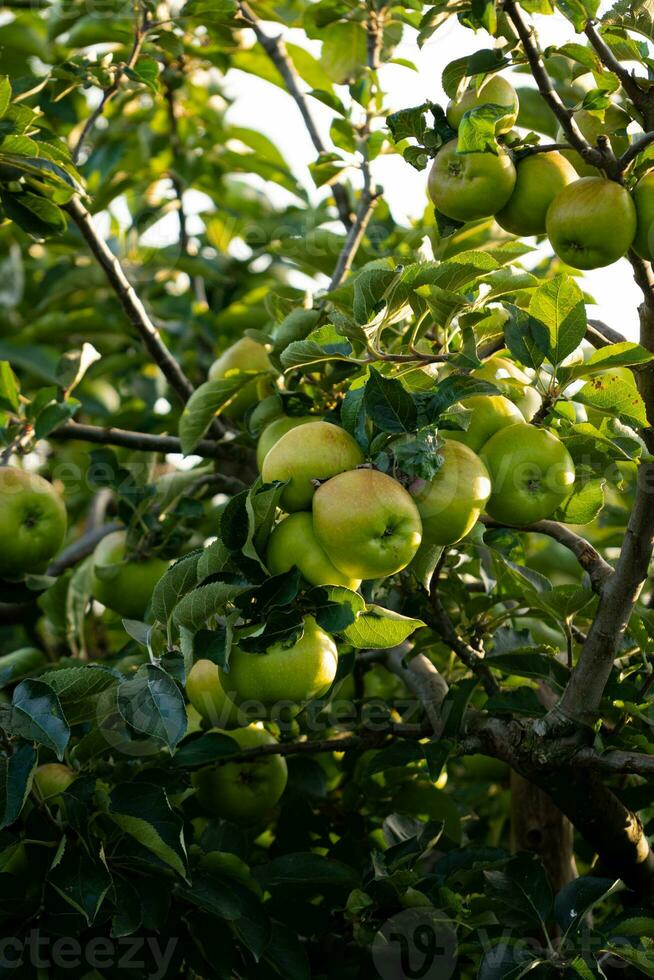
column 260, row 105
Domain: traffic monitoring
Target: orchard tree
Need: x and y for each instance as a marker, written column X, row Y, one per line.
column 326, row 629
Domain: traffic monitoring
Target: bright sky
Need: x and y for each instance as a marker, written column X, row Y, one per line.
column 276, row 116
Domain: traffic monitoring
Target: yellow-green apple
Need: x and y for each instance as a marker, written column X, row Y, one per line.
column 243, row 356
column 644, row 201
column 512, row 382
column 489, row 413
column 243, row 791
column 591, row 223
column 468, row 186
column 32, row 522
column 592, row 127
column 123, row 585
column 367, row 523
column 205, row 692
column 531, row 472
column 293, row 543
column 52, row 779
column 275, row 430
column 539, row 179
column 284, row 675
column 451, row 502
column 495, row 91
column 315, row 451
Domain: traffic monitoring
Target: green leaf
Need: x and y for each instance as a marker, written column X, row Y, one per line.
column 526, row 337
column 641, row 960
column 35, row 214
column 54, row 415
column 152, row 703
column 577, row 898
column 81, row 881
column 198, row 606
column 452, row 389
column 378, row 628
column 389, row 404
column 613, row 396
column 207, row 402
column 578, row 12
column 305, row 868
column 477, row 129
column 559, row 304
column 9, row 388
column 16, row 773
column 408, row 123
column 303, row 353
column 37, row 716
column 143, row 811
column 179, row 579
column 78, row 688
column 5, row 94
column 522, row 887
column 625, row 354
column 584, row 503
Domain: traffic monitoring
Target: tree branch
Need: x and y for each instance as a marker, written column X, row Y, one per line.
column 627, row 80
column 466, row 653
column 547, row 90
column 276, row 51
column 599, row 570
column 81, row 548
column 422, row 678
column 599, row 334
column 615, row 761
column 147, row 442
column 634, row 149
column 357, row 230
column 129, row 301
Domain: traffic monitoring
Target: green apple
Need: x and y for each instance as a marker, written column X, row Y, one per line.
column 451, row 502
column 494, row 91
column 539, row 179
column 245, row 355
column 314, row 451
column 468, row 186
column 275, row 430
column 592, row 127
column 644, row 201
column 205, row 692
column 32, row 522
column 19, row 663
column 367, row 523
column 53, row 779
column 293, row 542
column 125, row 586
column 531, row 472
column 512, row 382
column 231, row 865
column 591, row 223
column 489, row 413
column 243, row 791
column 283, row 674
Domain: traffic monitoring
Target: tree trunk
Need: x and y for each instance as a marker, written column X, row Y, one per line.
column 538, row 825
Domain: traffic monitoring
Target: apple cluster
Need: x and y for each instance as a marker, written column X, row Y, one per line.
column 591, row 221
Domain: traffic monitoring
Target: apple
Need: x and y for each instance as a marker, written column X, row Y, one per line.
column 243, row 791
column 367, row 523
column 467, row 186
column 531, row 472
column 314, row 451
column 206, row 694
column 293, row 542
column 489, row 413
column 53, row 779
column 283, row 674
column 32, row 522
column 539, row 179
column 592, row 127
column 125, row 586
column 512, row 381
column 644, row 201
column 451, row 502
column 275, row 430
column 494, row 90
column 591, row 223
column 245, row 355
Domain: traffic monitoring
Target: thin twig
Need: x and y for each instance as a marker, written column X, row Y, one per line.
column 599, row 334
column 276, row 51
column 466, row 654
column 634, row 149
column 627, row 80
column 81, row 548
column 140, row 34
column 357, row 230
